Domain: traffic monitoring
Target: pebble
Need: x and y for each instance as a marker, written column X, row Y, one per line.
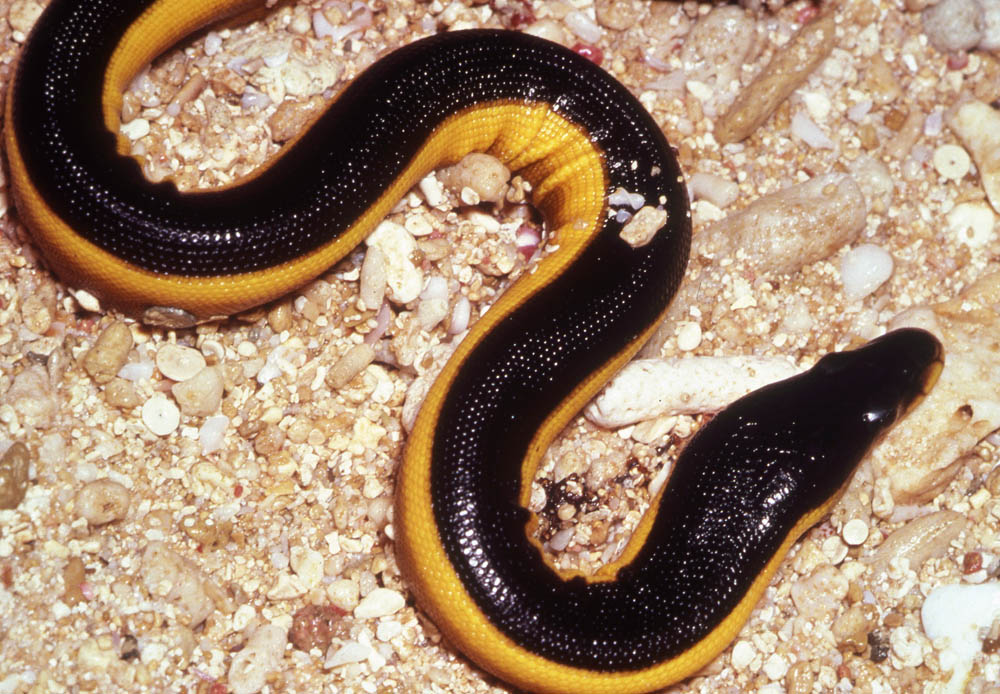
column 404, row 279
column 649, row 388
column 873, row 176
column 279, row 318
column 934, row 123
column 307, row 564
column 622, row 198
column 260, row 658
column 344, row 594
column 433, row 305
column 834, row 549
column 583, row 26
column 421, row 226
column 102, row 501
column 804, row 128
column 353, row 362
column 213, row 43
column 469, row 197
column 991, row 25
column 864, row 269
column 776, row 667
column 432, row 189
column 952, row 162
column 653, row 430
column 33, row 398
column 719, row 191
column 378, row 510
column 858, row 111
column 94, row 656
column 122, row 394
column 269, row 440
column 87, row 301
column 14, row 465
column 350, row 652
column 385, row 386
column 386, row 631
column 286, row 587
column 718, row 46
column 953, row 26
column 851, row 628
column 641, row 229
column 548, row 29
column 74, row 576
column 743, row 655
column 201, row 394
column 22, row 15
column 381, row 602
column 179, row 363
column 907, row 646
column 254, row 101
column 292, row 117
column 167, row 575
column 818, row 105
column 212, row 433
column 301, row 82
column 136, row 371
column 108, row 355
column 501, row 262
column 977, row 125
column 160, row 415
column 314, row 626
column 461, row 314
column 688, row 336
column 957, row 614
column 373, row 278
column 617, row 15
column 52, row 450
column 483, row 174
column 818, row 595
column 282, row 359
column 37, row 316
column 135, row 129
column 561, row 539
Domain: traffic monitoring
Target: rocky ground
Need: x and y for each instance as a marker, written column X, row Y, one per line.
column 210, row 509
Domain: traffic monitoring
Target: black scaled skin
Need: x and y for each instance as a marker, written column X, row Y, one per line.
column 738, row 490
column 336, row 170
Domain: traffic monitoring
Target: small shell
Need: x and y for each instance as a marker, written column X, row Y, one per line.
column 160, row 415
column 952, row 162
column 178, row 362
column 379, row 603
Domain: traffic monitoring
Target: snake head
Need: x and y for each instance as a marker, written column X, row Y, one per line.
column 883, row 380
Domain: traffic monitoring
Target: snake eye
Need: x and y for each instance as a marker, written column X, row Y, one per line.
column 880, row 417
